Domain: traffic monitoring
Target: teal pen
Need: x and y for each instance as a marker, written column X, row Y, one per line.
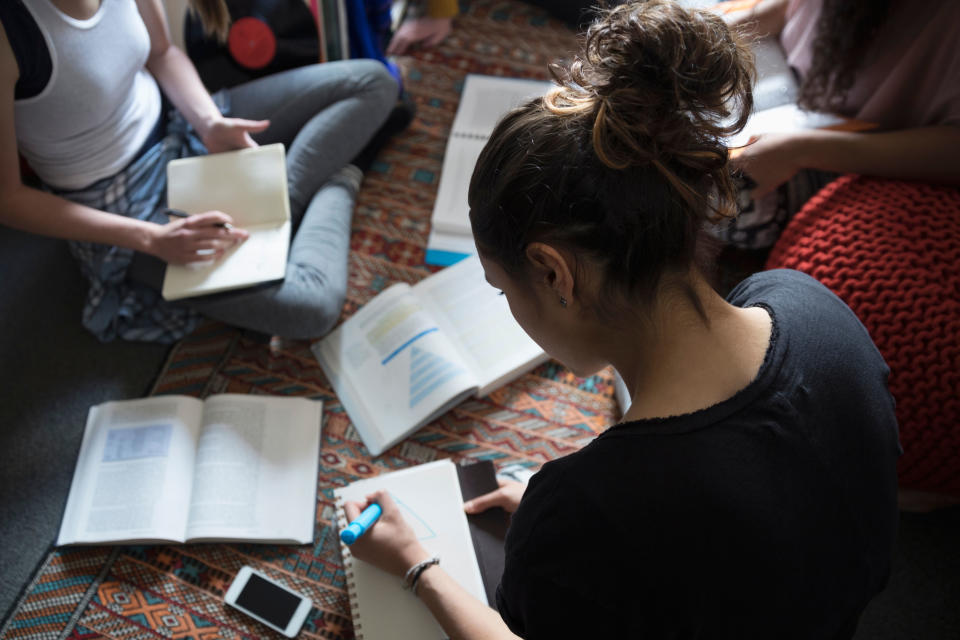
column 177, row 213
column 363, row 522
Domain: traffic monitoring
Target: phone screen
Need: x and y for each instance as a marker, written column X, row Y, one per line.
column 268, row 601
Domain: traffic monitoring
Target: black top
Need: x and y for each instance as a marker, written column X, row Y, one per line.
column 770, row 515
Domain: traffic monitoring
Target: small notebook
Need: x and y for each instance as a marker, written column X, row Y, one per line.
column 251, row 186
column 429, row 495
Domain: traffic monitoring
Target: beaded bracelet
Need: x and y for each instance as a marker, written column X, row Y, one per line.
column 412, row 577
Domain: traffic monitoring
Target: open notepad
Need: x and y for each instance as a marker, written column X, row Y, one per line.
column 251, row 186
column 412, row 353
column 429, row 497
column 485, row 99
column 178, row 469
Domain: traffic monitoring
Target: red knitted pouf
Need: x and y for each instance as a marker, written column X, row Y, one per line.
column 891, row 251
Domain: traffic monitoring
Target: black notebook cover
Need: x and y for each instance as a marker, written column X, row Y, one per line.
column 488, row 529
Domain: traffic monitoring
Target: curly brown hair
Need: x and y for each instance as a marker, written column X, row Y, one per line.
column 625, row 160
column 845, row 31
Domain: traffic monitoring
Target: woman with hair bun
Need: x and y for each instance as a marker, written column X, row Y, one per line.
column 750, row 489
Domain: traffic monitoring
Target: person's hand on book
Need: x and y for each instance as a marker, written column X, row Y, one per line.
column 228, row 134
column 419, row 32
column 390, row 543
column 769, row 159
column 507, row 497
column 199, row 238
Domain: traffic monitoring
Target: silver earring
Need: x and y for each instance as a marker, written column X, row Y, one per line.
column 563, row 302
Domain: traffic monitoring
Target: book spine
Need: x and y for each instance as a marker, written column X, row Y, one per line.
column 348, row 570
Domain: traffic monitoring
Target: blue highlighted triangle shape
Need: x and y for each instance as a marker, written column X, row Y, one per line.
column 427, row 372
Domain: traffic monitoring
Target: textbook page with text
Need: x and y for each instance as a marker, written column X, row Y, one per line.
column 178, row 469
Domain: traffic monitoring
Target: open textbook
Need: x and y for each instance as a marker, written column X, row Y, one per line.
column 179, row 469
column 250, row 185
column 485, row 99
column 429, row 495
column 413, row 352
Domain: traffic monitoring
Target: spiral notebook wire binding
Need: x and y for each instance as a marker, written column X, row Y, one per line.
column 348, row 570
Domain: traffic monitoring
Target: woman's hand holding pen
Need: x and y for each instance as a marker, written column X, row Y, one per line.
column 203, row 237
column 390, row 543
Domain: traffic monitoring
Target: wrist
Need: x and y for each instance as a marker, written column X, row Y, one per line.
column 414, row 555
column 206, row 124
column 145, row 237
column 809, row 149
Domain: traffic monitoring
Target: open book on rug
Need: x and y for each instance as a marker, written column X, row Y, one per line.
column 179, row 469
column 250, row 185
column 413, row 352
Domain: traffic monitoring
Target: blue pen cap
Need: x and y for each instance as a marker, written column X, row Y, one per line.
column 359, row 526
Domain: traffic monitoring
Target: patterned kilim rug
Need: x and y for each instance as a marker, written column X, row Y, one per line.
column 122, row 593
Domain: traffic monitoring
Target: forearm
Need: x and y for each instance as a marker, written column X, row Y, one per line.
column 49, row 215
column 764, row 18
column 462, row 616
column 928, row 153
column 178, row 78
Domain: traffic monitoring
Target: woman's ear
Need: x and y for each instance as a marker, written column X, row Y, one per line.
column 552, row 269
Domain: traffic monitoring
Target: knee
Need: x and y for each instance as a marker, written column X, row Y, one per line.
column 374, row 77
column 317, row 307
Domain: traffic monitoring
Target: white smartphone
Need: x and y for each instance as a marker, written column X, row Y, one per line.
column 263, row 599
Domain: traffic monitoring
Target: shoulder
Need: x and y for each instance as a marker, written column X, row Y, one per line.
column 796, row 299
column 816, row 326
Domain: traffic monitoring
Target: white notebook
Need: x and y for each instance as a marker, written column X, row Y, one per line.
column 429, row 497
column 251, row 186
column 485, row 99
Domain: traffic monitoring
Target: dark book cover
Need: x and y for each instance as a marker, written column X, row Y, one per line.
column 488, row 529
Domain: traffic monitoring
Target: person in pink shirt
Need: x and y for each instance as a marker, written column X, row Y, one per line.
column 892, row 63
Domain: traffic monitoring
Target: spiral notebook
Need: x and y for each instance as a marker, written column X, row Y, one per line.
column 431, row 497
column 485, row 99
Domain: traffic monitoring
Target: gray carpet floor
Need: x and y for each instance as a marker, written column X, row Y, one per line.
column 52, row 371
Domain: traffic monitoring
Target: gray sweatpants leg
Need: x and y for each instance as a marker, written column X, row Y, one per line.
column 325, row 114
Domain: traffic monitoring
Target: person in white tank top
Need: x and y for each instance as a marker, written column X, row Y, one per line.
column 94, row 134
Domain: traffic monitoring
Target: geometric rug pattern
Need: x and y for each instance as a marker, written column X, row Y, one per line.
column 176, row 591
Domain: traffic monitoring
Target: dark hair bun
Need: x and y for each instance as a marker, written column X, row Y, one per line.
column 624, row 161
column 664, row 85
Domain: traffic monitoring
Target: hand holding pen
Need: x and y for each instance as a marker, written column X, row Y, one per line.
column 202, row 237
column 386, row 541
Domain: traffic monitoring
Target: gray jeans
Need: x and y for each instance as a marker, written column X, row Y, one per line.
column 324, row 114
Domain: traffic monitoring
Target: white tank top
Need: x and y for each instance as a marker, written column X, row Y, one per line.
column 100, row 103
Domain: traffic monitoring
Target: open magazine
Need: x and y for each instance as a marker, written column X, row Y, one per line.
column 413, row 352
